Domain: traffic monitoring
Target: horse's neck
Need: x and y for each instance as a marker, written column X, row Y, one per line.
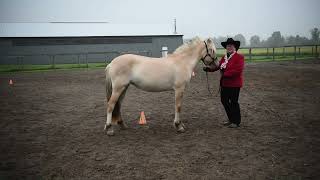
column 191, row 58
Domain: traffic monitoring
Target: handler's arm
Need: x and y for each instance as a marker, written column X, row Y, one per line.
column 236, row 70
column 213, row 67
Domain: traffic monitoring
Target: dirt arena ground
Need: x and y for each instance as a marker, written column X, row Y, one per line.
column 51, row 127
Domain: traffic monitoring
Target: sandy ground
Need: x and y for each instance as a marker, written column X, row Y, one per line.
column 52, row 128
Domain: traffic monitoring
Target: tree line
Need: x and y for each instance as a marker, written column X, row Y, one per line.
column 275, row 40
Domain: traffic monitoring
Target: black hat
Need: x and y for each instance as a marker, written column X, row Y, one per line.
column 231, row 41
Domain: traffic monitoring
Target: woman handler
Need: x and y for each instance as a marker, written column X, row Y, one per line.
column 231, row 68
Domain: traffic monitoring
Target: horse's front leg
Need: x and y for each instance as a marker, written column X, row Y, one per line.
column 178, row 102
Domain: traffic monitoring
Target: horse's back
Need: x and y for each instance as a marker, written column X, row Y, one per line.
column 135, row 58
column 138, row 61
column 151, row 74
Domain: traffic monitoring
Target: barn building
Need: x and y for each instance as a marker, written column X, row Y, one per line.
column 40, row 43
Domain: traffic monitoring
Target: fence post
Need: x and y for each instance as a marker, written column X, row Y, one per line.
column 299, row 52
column 295, row 52
column 273, row 53
column 21, row 62
column 87, row 60
column 18, row 62
column 250, row 54
column 312, row 51
column 78, row 60
column 316, row 51
column 283, row 52
column 53, row 62
column 106, row 60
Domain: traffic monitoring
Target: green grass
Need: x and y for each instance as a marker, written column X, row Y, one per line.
column 281, row 53
column 304, row 50
column 257, row 55
column 31, row 67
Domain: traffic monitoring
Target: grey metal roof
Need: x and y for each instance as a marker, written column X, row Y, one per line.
column 82, row 29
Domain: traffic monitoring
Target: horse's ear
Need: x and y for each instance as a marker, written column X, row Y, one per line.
column 211, row 44
column 209, row 41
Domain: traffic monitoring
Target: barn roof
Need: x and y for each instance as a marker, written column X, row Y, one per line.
column 82, row 29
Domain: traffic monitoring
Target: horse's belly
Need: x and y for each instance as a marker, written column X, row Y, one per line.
column 153, row 76
column 153, row 82
column 153, row 86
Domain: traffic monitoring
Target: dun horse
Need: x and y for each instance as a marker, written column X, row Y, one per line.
column 155, row 75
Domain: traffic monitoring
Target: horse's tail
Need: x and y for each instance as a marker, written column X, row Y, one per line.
column 108, row 83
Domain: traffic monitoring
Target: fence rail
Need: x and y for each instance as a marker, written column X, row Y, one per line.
column 18, row 62
column 279, row 53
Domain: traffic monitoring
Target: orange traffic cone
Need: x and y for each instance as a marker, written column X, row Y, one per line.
column 142, row 119
column 10, row 82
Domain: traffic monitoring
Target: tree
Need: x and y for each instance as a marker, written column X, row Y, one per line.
column 255, row 41
column 301, row 40
column 291, row 40
column 219, row 40
column 241, row 38
column 276, row 39
column 315, row 35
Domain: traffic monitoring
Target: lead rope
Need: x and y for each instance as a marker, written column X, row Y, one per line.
column 208, row 87
column 210, row 93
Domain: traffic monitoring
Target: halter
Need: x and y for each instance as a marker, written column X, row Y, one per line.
column 213, row 59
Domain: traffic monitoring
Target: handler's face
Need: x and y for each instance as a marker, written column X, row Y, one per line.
column 230, row 48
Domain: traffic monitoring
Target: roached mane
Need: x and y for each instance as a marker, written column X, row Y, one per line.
column 186, row 46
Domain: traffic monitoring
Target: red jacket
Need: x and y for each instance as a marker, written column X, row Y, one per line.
column 233, row 74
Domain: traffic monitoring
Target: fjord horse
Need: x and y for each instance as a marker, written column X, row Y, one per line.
column 155, row 75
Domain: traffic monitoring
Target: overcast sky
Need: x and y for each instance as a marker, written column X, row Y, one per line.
column 201, row 17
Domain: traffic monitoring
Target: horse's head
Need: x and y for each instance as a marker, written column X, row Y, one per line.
column 209, row 53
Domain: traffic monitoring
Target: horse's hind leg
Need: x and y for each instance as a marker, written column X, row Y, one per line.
column 116, row 92
column 116, row 114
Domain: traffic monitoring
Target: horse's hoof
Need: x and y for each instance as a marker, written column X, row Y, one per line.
column 180, row 127
column 110, row 132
